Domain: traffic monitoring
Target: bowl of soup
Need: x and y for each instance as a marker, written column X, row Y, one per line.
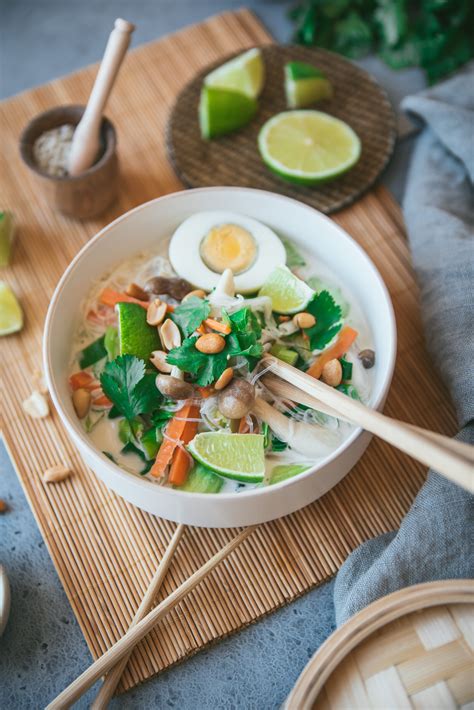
column 156, row 353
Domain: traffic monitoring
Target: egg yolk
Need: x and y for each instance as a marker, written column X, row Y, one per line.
column 228, row 246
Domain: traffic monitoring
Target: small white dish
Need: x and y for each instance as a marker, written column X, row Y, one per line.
column 139, row 230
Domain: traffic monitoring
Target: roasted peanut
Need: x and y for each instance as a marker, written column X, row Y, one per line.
column 210, row 343
column 224, row 379
column 3, row 506
column 304, row 320
column 332, row 373
column 137, row 291
column 55, row 474
column 158, row 359
column 156, row 312
column 36, row 405
column 198, row 293
column 81, row 401
column 170, row 335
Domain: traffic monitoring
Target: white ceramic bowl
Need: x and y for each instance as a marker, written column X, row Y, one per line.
column 139, row 230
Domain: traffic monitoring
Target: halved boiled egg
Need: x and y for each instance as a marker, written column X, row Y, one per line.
column 208, row 243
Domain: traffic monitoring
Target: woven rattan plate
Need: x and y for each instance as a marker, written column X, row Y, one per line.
column 411, row 649
column 235, row 160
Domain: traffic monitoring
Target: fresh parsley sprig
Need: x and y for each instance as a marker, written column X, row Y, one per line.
column 131, row 389
column 328, row 320
column 189, row 315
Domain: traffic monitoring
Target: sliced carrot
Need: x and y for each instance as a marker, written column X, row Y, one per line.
column 216, row 325
column 174, row 430
column 102, row 401
column 83, row 380
column 205, row 392
column 182, row 461
column 109, row 297
column 202, row 329
column 169, row 308
column 340, row 347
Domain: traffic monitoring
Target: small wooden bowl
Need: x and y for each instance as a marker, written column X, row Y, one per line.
column 83, row 196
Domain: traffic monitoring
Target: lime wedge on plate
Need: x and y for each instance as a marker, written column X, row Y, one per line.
column 305, row 84
column 222, row 111
column 237, row 456
column 289, row 294
column 136, row 337
column 6, row 237
column 245, row 74
column 308, row 147
column 11, row 315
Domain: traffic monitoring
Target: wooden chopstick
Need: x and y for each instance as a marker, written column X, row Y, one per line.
column 285, row 389
column 431, row 449
column 126, row 644
column 113, row 677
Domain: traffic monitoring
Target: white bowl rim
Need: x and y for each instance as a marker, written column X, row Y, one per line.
column 143, row 483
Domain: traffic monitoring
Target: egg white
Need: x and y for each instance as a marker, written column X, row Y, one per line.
column 186, row 259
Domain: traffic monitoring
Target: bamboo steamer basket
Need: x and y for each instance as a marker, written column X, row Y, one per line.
column 411, row 649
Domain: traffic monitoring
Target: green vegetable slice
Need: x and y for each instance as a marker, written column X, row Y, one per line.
column 94, row 352
column 202, row 480
column 285, row 471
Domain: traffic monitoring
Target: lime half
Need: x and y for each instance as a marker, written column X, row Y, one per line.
column 289, row 294
column 11, row 315
column 308, row 147
column 7, row 230
column 136, row 337
column 245, row 74
column 222, row 111
column 237, row 456
column 305, row 84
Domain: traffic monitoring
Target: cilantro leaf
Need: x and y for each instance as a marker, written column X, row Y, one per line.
column 328, row 320
column 241, row 341
column 126, row 383
column 190, row 314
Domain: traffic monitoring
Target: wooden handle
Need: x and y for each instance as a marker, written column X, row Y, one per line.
column 86, row 144
column 126, row 644
column 427, row 447
column 113, row 677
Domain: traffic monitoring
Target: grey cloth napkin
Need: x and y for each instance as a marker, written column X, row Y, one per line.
column 434, row 539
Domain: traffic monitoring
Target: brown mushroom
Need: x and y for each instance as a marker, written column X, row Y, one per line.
column 236, row 401
column 177, row 288
column 173, row 387
column 367, row 358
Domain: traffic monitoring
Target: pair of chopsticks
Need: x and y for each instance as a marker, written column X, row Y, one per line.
column 452, row 459
column 115, row 659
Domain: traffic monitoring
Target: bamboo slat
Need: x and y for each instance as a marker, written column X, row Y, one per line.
column 105, row 550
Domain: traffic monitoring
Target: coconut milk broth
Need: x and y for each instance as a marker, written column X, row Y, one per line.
column 104, row 434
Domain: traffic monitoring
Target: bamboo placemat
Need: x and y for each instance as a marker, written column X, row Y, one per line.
column 235, row 160
column 105, row 551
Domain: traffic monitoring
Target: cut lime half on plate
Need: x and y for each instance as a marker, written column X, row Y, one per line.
column 305, row 84
column 308, row 147
column 11, row 315
column 245, row 74
column 237, row 456
column 136, row 337
column 222, row 111
column 289, row 294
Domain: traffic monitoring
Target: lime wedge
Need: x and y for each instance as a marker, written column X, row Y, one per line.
column 245, row 74
column 222, row 111
column 136, row 337
column 289, row 294
column 237, row 456
column 6, row 237
column 11, row 315
column 305, row 84
column 308, row 147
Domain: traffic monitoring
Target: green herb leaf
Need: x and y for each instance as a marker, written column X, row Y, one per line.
column 132, row 391
column 349, row 390
column 111, row 342
column 346, row 369
column 328, row 320
column 190, row 314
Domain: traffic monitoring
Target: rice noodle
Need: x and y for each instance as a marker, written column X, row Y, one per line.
column 260, row 374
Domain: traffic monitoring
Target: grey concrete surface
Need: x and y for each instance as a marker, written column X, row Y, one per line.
column 42, row 648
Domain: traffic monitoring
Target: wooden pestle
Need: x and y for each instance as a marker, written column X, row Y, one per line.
column 86, row 141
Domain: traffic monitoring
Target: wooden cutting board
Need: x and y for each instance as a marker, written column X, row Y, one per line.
column 105, row 550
